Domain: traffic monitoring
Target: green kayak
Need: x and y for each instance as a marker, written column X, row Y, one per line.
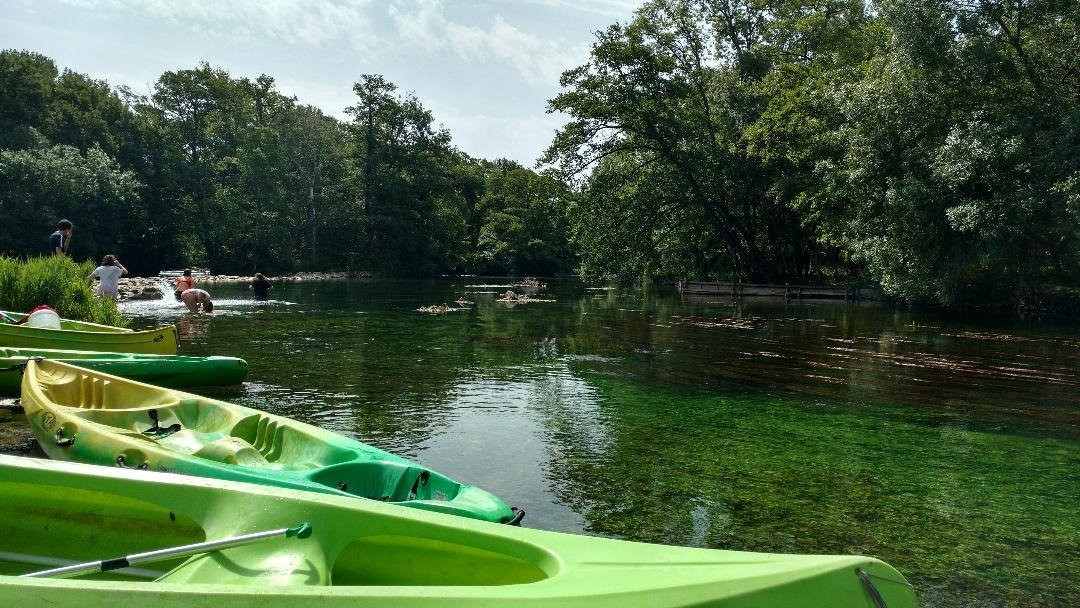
column 79, row 335
column 173, row 371
column 333, row 552
column 88, row 416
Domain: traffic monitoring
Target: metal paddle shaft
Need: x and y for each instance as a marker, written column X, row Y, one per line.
column 301, row 531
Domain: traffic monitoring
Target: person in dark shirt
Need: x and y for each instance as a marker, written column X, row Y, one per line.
column 60, row 240
column 261, row 286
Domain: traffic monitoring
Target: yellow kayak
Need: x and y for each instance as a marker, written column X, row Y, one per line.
column 89, row 416
column 80, row 335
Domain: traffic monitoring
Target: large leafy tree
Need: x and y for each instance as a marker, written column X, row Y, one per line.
column 963, row 150
column 521, row 225
column 26, row 80
column 42, row 185
column 400, row 179
column 679, row 93
column 930, row 146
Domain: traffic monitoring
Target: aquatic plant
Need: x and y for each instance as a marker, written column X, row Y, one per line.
column 56, row 281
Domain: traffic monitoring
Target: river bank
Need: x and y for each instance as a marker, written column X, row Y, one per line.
column 15, row 435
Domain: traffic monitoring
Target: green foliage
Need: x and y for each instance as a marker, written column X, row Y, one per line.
column 519, row 223
column 930, row 146
column 58, row 282
column 26, row 79
column 41, row 185
column 225, row 172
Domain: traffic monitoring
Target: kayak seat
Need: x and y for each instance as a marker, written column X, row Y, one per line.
column 232, row 450
column 93, row 391
column 218, row 447
column 263, row 433
column 285, row 445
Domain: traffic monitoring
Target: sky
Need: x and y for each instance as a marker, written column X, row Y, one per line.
column 485, row 68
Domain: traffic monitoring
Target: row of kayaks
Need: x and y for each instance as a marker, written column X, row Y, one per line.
column 364, row 548
column 149, row 355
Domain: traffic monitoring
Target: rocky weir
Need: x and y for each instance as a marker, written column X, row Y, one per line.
column 155, row 288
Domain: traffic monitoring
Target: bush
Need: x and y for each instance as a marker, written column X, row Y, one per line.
column 58, row 282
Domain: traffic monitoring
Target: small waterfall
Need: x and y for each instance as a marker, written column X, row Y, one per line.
column 166, row 288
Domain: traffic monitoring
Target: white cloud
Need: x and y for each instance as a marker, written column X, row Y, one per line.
column 308, row 23
column 518, row 137
column 424, row 25
column 485, row 67
column 620, row 9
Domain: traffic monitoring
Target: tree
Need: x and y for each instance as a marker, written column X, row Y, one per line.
column 398, row 160
column 42, row 185
column 679, row 90
column 26, row 79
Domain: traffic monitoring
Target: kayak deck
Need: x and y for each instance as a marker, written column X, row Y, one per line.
column 371, row 554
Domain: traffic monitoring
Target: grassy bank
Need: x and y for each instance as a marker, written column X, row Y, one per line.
column 58, row 282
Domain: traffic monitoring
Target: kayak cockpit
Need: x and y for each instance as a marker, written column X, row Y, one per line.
column 48, row 526
column 387, row 480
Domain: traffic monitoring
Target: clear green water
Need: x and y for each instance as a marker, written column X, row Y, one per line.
column 945, row 445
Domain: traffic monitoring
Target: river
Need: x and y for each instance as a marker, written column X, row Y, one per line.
column 945, row 444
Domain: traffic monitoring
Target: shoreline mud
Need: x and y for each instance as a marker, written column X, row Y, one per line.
column 15, row 435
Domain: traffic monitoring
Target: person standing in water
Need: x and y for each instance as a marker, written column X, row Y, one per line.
column 60, row 240
column 108, row 275
column 183, row 283
column 260, row 286
column 197, row 298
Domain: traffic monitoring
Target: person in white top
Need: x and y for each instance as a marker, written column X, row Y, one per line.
column 108, row 274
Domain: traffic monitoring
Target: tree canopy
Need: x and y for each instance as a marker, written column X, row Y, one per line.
column 213, row 170
column 929, row 146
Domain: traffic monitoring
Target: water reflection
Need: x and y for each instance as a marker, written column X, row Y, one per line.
column 946, row 445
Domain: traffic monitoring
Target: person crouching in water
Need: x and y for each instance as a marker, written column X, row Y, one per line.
column 108, row 274
column 195, row 299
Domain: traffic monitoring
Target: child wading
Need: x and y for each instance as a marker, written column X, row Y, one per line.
column 184, row 283
column 108, row 274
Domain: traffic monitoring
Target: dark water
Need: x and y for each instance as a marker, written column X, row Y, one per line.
column 945, row 445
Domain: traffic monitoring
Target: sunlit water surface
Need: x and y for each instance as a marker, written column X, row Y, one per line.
column 946, row 445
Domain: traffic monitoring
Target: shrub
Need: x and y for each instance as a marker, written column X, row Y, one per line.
column 58, row 282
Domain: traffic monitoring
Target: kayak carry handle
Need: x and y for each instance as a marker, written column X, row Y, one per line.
column 63, row 442
column 122, row 462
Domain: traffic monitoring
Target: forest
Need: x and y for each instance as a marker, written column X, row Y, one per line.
column 929, row 147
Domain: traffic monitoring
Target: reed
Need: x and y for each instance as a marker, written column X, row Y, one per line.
column 56, row 281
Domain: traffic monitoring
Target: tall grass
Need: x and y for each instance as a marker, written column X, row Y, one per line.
column 58, row 282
